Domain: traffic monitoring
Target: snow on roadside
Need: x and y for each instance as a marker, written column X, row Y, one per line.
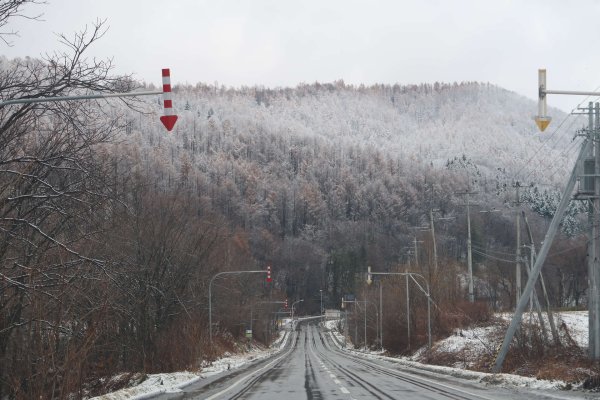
column 577, row 321
column 156, row 384
column 470, row 342
column 332, row 326
column 475, row 340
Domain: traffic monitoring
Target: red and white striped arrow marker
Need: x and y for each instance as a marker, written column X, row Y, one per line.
column 169, row 118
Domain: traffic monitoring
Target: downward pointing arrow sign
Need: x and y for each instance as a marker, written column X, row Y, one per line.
column 169, row 121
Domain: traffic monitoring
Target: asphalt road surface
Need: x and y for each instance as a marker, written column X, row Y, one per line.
column 312, row 367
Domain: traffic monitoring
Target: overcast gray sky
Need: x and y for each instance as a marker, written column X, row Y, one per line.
column 283, row 43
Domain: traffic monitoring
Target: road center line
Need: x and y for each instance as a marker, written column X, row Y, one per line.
column 269, row 365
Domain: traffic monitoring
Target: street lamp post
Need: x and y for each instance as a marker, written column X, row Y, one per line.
column 380, row 315
column 321, row 292
column 210, row 294
column 412, row 276
column 293, row 304
column 365, row 302
column 261, row 302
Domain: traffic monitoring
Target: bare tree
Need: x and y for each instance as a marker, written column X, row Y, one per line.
column 53, row 200
column 10, row 9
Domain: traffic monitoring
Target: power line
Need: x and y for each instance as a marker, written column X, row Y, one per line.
column 492, row 257
column 545, row 143
column 482, row 248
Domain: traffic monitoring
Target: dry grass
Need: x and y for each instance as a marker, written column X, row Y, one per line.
column 529, row 357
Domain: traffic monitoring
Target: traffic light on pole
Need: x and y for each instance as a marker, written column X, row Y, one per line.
column 285, row 304
column 269, row 279
column 369, row 276
column 542, row 119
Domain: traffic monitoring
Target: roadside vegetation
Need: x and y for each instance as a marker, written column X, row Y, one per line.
column 111, row 229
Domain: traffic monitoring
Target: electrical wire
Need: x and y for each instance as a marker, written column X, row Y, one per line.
column 484, row 248
column 552, row 135
column 544, row 143
column 492, row 257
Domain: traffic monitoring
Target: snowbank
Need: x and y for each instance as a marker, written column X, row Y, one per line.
column 473, row 342
column 156, row 384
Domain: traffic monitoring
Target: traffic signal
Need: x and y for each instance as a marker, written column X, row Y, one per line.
column 269, row 279
column 285, row 304
column 542, row 119
column 369, row 276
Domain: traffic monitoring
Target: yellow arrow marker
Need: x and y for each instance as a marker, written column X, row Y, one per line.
column 542, row 122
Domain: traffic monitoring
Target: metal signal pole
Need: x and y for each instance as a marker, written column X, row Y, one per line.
column 535, row 272
column 591, row 141
column 168, row 119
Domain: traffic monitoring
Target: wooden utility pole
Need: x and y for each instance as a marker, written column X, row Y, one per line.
column 594, row 254
column 469, row 253
column 592, row 141
column 539, row 262
column 517, row 186
column 435, row 259
column 553, row 329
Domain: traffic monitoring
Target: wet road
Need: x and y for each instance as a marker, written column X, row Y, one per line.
column 312, row 367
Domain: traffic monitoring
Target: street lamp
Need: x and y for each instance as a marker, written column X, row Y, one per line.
column 412, row 276
column 261, row 302
column 293, row 304
column 210, row 294
column 365, row 302
column 321, row 292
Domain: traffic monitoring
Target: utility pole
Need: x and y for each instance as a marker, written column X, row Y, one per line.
column 321, row 292
column 414, row 248
column 553, row 329
column 594, row 262
column 533, row 298
column 469, row 253
column 210, row 294
column 517, row 186
column 591, row 140
column 552, row 230
column 435, row 260
column 407, row 311
column 416, row 252
column 426, row 291
column 381, row 314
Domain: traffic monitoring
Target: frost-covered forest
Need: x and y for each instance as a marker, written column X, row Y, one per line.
column 112, row 228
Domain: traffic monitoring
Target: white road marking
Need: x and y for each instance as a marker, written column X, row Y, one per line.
column 335, row 380
column 214, row 396
column 422, row 379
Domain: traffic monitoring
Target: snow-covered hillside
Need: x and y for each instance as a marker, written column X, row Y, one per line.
column 422, row 125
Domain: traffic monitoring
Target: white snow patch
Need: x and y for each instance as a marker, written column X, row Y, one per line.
column 577, row 322
column 156, row 384
column 471, row 342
